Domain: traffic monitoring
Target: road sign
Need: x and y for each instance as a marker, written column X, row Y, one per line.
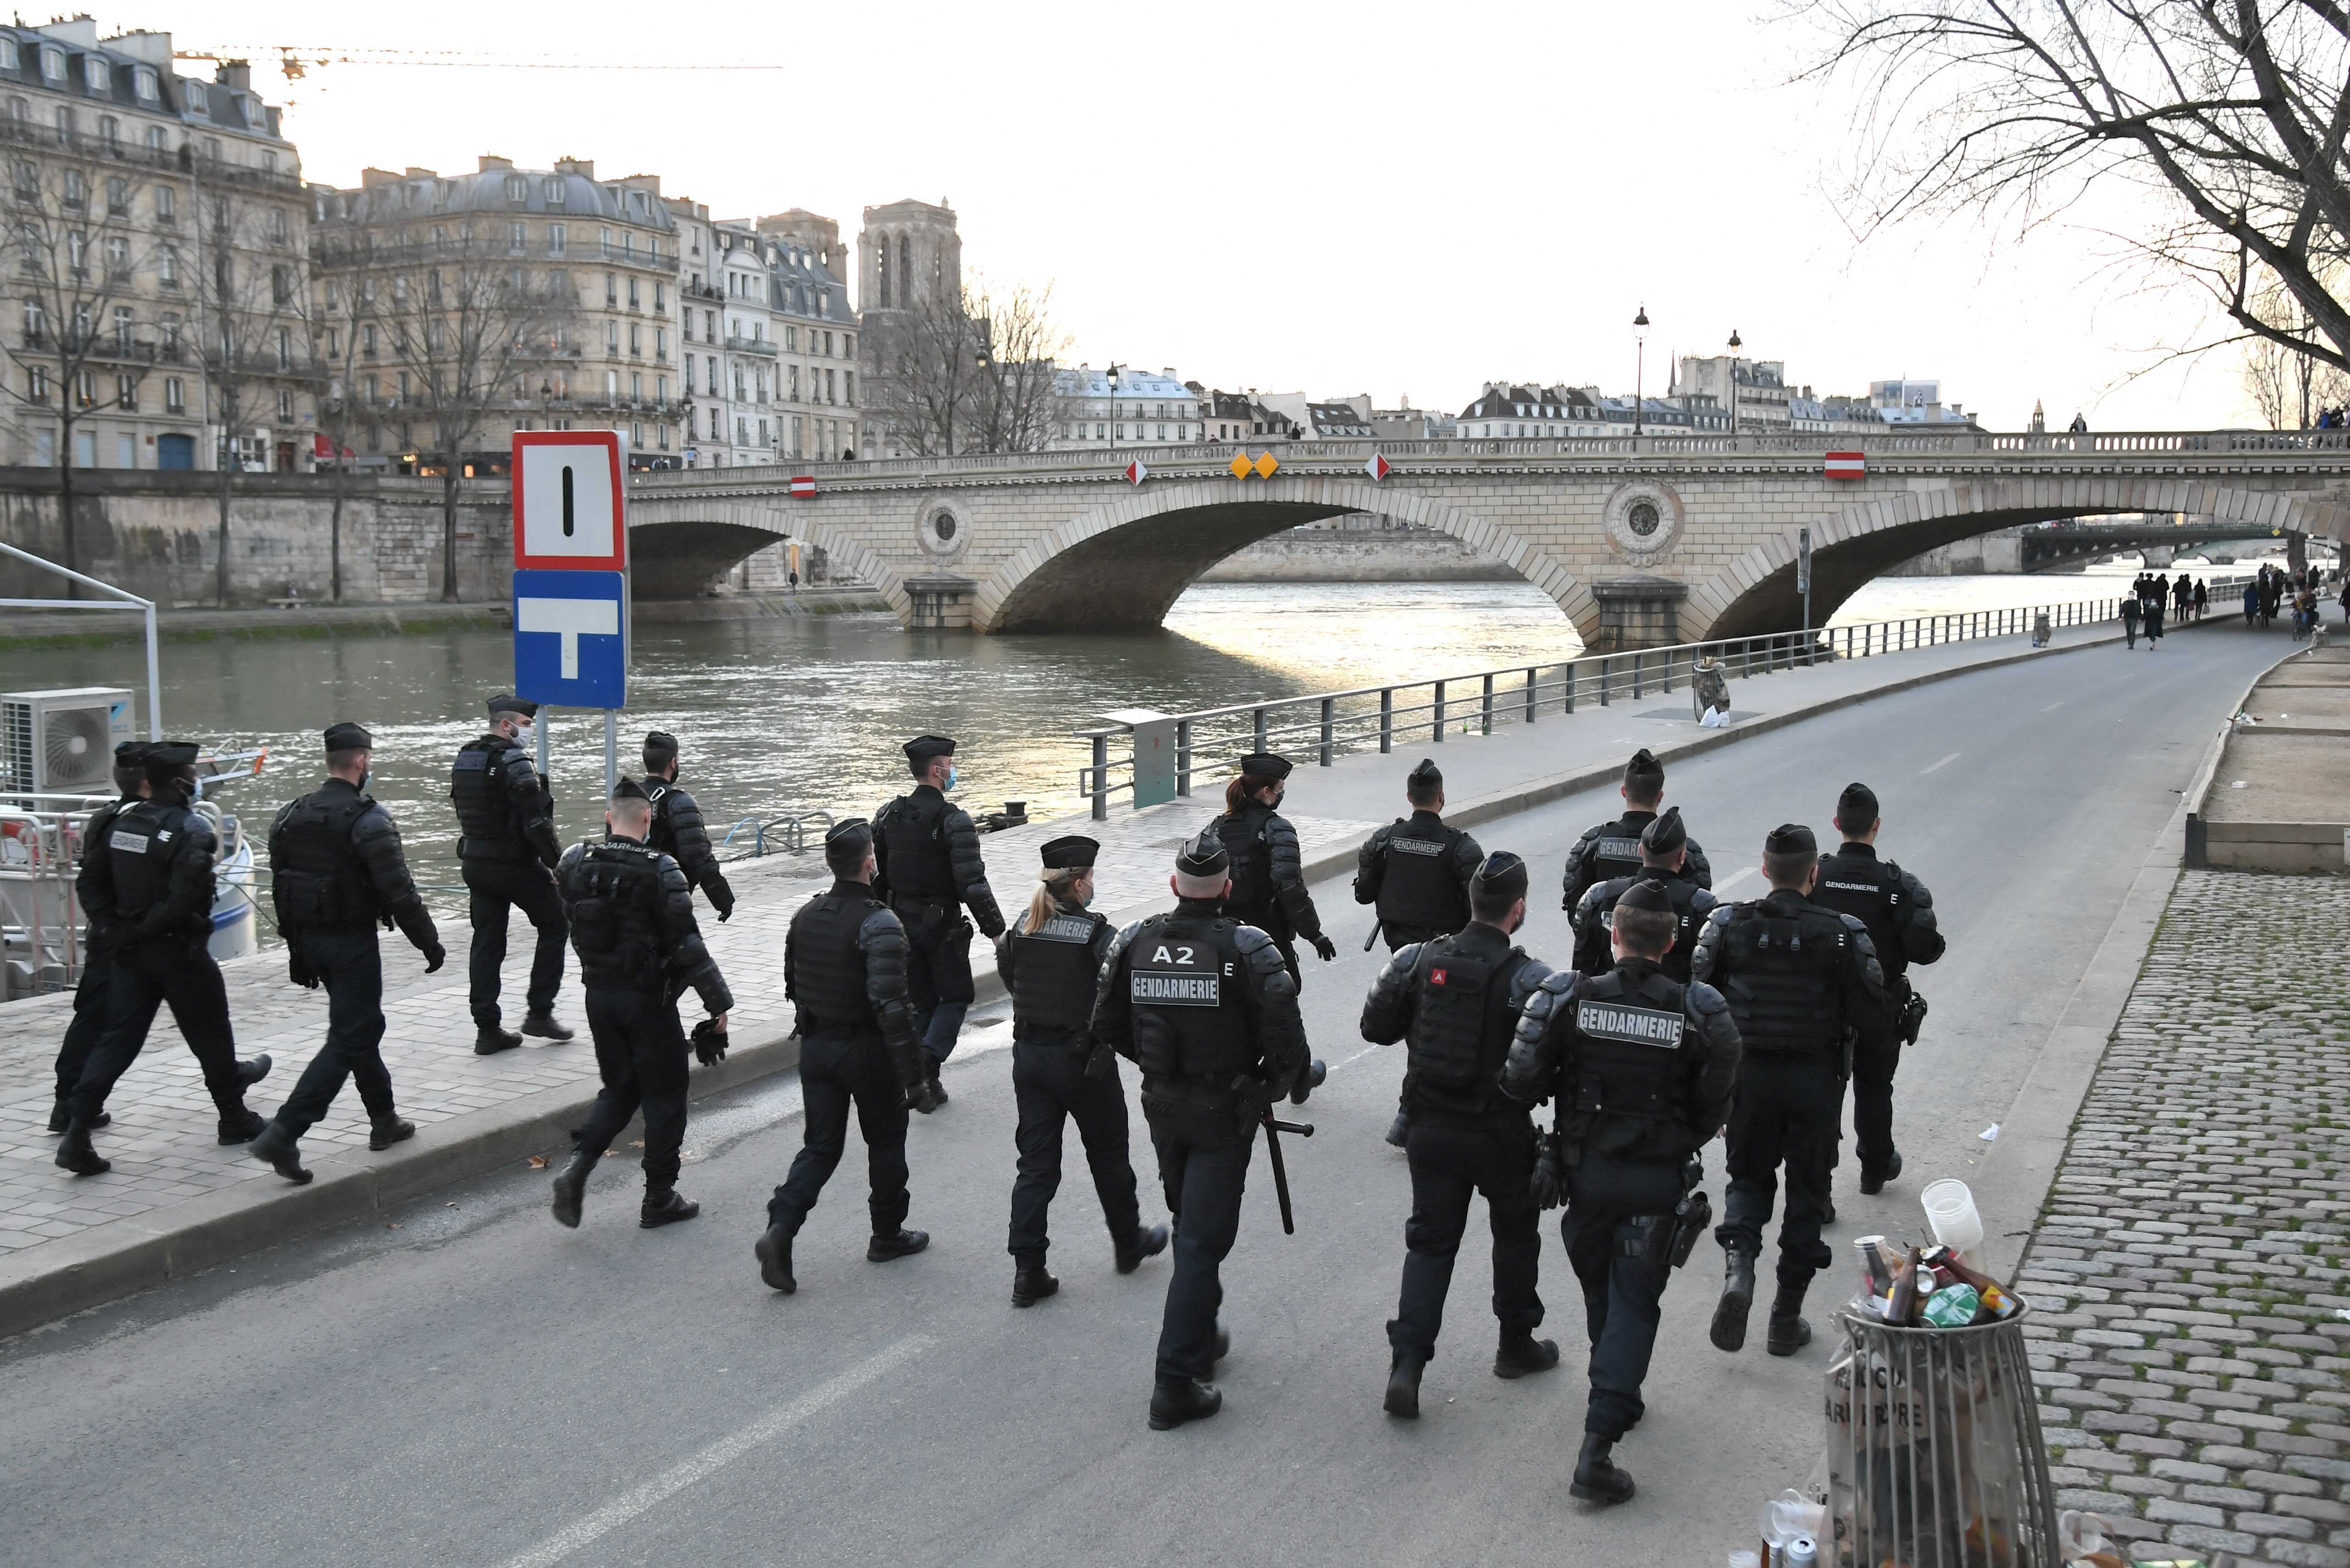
column 1265, row 465
column 804, row 486
column 1847, row 465
column 1136, row 472
column 1377, row 468
column 571, row 512
column 571, row 638
column 1240, row 466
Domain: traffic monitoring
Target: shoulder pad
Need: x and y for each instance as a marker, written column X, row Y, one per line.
column 1407, row 956
column 1608, row 891
column 1704, row 901
column 1251, row 941
column 1704, row 1000
column 1276, row 823
column 1723, row 913
column 1560, row 982
column 1590, row 837
column 672, row 875
column 1384, row 831
column 1919, row 897
column 1853, row 924
column 195, row 829
column 573, row 856
column 1530, row 976
column 954, row 815
column 879, row 921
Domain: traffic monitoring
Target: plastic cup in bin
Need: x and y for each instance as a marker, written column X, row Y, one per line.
column 1950, row 1214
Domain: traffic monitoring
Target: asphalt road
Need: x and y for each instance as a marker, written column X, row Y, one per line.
column 467, row 1383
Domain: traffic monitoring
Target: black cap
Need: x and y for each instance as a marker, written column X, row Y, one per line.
column 923, row 748
column 1857, row 806
column 628, row 789
column 1265, row 765
column 1502, row 876
column 1071, row 852
column 1427, row 775
column 508, row 702
column 660, row 744
column 1203, row 856
column 348, row 737
column 849, row 830
column 1791, row 839
column 130, row 755
column 1647, row 893
column 170, row 755
column 1666, row 834
column 1643, row 768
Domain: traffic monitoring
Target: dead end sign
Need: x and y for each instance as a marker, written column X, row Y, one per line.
column 571, row 512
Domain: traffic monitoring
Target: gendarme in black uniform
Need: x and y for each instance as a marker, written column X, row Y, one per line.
column 1899, row 914
column 1663, row 856
column 1204, row 1006
column 678, row 830
column 335, row 871
column 1613, row 848
column 1801, row 981
column 1267, row 869
column 1642, row 1067
column 631, row 917
column 507, row 817
column 1059, row 1071
column 845, row 971
column 928, row 867
column 94, row 891
column 161, row 870
column 1455, row 1000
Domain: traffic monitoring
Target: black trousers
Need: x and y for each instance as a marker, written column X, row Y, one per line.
column 641, row 1053
column 938, row 985
column 1787, row 1109
column 1050, row 1086
column 350, row 967
column 836, row 1072
column 499, row 888
column 89, row 1018
column 1449, row 1164
column 1203, row 1161
column 148, row 975
column 1623, row 1290
column 1873, row 1067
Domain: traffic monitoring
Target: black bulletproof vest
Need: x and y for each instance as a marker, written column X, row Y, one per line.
column 662, row 833
column 1418, row 888
column 141, row 843
column 827, row 975
column 1779, row 976
column 1869, row 891
column 610, row 895
column 315, row 874
column 1630, row 1059
column 1617, row 853
column 920, row 866
column 1184, row 979
column 478, row 790
column 1593, row 956
column 1457, row 1041
column 1241, row 833
column 1053, row 975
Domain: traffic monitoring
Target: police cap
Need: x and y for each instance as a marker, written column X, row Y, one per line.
column 923, row 748
column 628, row 789
column 1071, row 852
column 1791, row 839
column 1666, row 834
column 130, row 755
column 169, row 756
column 1857, row 806
column 1203, row 856
column 1502, row 876
column 854, row 830
column 1427, row 775
column 348, row 737
column 508, row 702
column 1265, row 765
column 660, row 744
column 1644, row 768
column 1647, row 893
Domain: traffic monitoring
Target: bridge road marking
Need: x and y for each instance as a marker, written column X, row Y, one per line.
column 1727, row 883
column 716, row 1457
column 1954, row 756
column 2051, row 707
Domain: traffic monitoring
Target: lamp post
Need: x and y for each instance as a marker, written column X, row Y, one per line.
column 1639, row 366
column 1113, row 402
column 1734, row 346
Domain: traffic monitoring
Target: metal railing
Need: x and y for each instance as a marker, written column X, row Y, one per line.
column 1326, row 725
column 790, row 833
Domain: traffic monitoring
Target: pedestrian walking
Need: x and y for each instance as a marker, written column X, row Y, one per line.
column 2154, row 620
column 505, row 815
column 1267, row 871
column 2182, row 594
column 2202, row 598
column 1664, row 859
column 927, row 871
column 677, row 829
column 1612, row 849
column 2131, row 610
column 2251, row 602
column 101, row 933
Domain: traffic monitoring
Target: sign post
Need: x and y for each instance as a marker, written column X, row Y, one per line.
column 571, row 609
column 1804, row 583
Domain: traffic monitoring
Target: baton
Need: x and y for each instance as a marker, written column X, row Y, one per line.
column 1372, row 938
column 1272, row 1131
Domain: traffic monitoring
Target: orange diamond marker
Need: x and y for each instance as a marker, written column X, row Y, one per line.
column 1265, row 465
column 1240, row 466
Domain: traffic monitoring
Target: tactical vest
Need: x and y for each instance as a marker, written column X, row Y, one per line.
column 1617, row 851
column 314, row 875
column 1418, row 888
column 1869, row 891
column 662, row 833
column 1456, row 1042
column 1053, row 975
column 476, row 784
column 1628, row 1052
column 1183, row 977
column 610, row 894
column 914, row 831
column 1594, row 956
column 827, row 974
column 141, row 843
column 1779, row 976
column 1243, row 835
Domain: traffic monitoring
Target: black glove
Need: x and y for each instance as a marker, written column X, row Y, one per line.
column 1548, row 1180
column 1327, row 947
column 298, row 970
column 724, row 909
column 434, row 957
column 709, row 1042
column 919, row 1097
column 1913, row 1018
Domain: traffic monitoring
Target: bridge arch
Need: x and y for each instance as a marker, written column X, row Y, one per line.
column 1755, row 592
column 678, row 548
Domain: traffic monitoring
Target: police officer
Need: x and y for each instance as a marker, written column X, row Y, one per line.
column 632, row 916
column 507, row 815
column 162, row 856
column 678, row 831
column 94, row 890
column 1613, row 848
column 1899, row 914
column 1417, row 870
column 1049, row 960
column 1642, row 1067
column 928, row 867
column 845, row 961
column 1267, row 869
column 1803, row 985
column 335, row 870
column 1454, row 1001
column 1205, row 1007
column 1664, row 859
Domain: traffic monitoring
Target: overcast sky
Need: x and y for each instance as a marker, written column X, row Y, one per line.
column 1404, row 199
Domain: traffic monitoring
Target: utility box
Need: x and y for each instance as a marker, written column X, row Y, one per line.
column 1154, row 753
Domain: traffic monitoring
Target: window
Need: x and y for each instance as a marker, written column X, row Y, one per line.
column 175, row 395
column 660, row 388
column 517, row 238
column 36, row 385
column 170, row 337
column 738, row 395
column 555, row 239
column 122, row 320
column 334, row 343
column 86, row 390
column 367, row 341
column 612, row 340
column 52, row 63
column 635, row 341
column 281, row 285
column 792, row 342
column 635, row 303
column 167, row 268
column 848, row 386
column 660, row 343
column 286, row 405
column 661, row 298
column 75, row 189
column 8, row 54
column 552, row 188
column 19, row 110
column 685, row 333
column 94, row 73
column 142, row 83
column 517, row 188
column 126, row 394
column 285, row 349
column 118, row 197
column 28, row 182
column 611, row 291
column 848, row 344
column 110, row 130
column 277, row 231
column 794, row 374
column 558, row 285
column 64, row 127
column 78, row 253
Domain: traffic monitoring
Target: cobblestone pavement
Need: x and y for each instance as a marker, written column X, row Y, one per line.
column 2192, row 1322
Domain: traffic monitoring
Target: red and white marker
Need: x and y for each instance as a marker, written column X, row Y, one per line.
column 804, row 485
column 1135, row 472
column 1377, row 468
column 1847, row 465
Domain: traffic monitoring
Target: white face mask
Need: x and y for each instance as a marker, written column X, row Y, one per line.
column 525, row 734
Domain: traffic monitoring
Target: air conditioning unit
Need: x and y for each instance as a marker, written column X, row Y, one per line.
column 62, row 743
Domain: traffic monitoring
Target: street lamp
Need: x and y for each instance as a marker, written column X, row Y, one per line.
column 1734, row 346
column 1639, row 366
column 1113, row 397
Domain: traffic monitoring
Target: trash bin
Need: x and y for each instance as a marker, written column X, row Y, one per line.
column 1709, row 687
column 1935, row 1458
column 2040, row 633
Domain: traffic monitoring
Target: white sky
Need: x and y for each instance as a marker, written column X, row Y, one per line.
column 1403, row 199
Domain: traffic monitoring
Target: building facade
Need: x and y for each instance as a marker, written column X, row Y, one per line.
column 909, row 258
column 1122, row 407
column 1754, row 394
column 1510, row 411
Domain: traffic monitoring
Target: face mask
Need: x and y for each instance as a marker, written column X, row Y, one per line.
column 363, row 780
column 951, row 781
column 525, row 734
column 1278, row 796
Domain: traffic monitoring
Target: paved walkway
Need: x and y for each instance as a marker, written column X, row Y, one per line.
column 2190, row 1274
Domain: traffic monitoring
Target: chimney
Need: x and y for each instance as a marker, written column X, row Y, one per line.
column 235, row 74
column 583, row 167
column 490, row 161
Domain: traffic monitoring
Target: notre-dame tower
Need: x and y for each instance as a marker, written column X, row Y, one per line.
column 909, row 257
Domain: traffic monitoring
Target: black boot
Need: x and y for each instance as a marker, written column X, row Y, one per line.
column 662, row 1206
column 1596, row 1477
column 1872, row 1181
column 1789, row 1331
column 905, row 1244
column 774, row 1253
column 382, row 1134
column 571, row 1187
column 543, row 1026
column 930, row 1077
column 275, row 1148
column 242, row 1125
column 1400, row 1129
column 1032, row 1283
column 61, row 1114
column 1521, row 1352
column 1403, row 1384
column 1148, row 1241
column 1737, row 1300
column 489, row 1040
column 250, row 1072
column 1183, row 1399
column 75, row 1153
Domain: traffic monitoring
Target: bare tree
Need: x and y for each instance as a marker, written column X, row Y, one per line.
column 345, row 313
column 2231, row 114
column 970, row 374
column 1016, row 403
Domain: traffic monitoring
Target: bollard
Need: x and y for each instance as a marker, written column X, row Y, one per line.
column 1386, row 720
column 1440, row 713
column 1328, row 705
column 1101, row 778
column 1530, row 696
column 1182, row 756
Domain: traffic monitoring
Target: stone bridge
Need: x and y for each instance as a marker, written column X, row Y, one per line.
column 1640, row 541
column 2055, row 548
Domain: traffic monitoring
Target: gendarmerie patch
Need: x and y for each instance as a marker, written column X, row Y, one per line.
column 1632, row 1025
column 1177, row 974
column 1414, row 845
column 1068, row 929
column 1618, row 850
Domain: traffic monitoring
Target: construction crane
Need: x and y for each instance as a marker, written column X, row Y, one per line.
column 297, row 60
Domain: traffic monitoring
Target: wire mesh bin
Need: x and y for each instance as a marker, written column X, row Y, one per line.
column 1934, row 1452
